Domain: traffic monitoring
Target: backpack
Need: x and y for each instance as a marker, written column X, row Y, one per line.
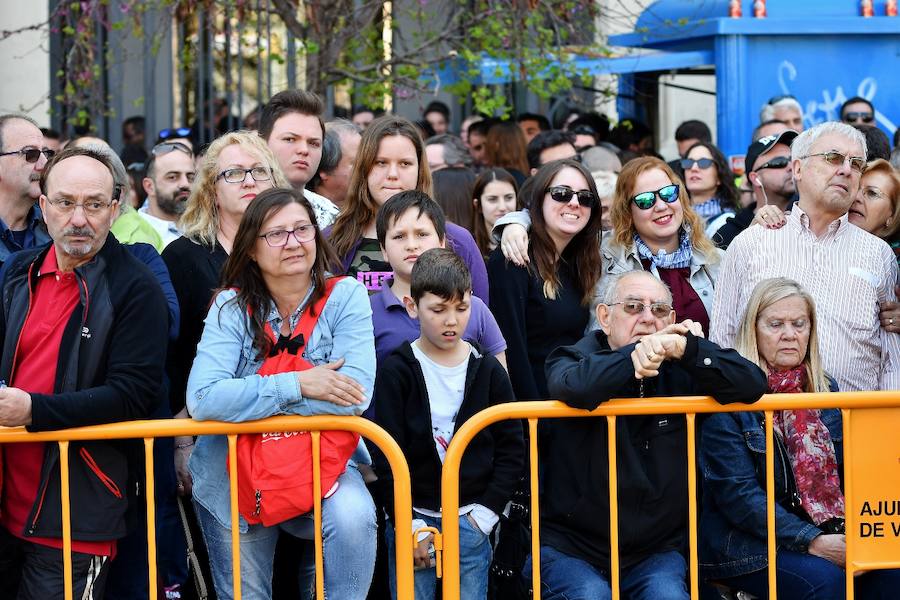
column 275, row 470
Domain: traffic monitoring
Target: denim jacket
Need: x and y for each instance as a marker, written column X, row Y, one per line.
column 733, row 516
column 223, row 384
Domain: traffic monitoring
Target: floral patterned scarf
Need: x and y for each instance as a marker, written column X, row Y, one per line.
column 810, row 450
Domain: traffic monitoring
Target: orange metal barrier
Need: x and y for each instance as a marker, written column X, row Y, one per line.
column 149, row 430
column 690, row 407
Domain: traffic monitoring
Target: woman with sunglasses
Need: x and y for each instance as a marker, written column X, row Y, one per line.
column 710, row 185
column 654, row 229
column 391, row 159
column 546, row 305
column 277, row 281
column 235, row 168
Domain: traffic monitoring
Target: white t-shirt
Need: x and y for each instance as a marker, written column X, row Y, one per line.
column 446, row 387
column 167, row 230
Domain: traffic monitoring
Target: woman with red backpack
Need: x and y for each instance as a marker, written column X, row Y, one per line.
column 283, row 337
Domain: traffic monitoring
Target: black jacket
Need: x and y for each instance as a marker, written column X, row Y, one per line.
column 110, row 369
column 651, row 450
column 494, row 458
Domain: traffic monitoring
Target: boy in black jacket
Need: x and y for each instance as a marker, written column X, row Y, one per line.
column 426, row 390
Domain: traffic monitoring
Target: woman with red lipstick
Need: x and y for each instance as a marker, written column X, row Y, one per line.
column 391, row 159
column 546, row 305
column 656, row 229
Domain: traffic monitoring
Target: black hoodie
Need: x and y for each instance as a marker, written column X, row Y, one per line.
column 492, row 462
column 651, row 450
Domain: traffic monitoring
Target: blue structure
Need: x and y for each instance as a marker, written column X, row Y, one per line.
column 820, row 51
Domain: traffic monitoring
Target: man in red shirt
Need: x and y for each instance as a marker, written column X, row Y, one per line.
column 82, row 328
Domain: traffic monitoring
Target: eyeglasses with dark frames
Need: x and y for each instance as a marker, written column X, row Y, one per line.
column 853, row 117
column 279, row 237
column 703, row 163
column 238, row 175
column 779, row 162
column 646, row 200
column 660, row 310
column 32, row 155
column 836, row 159
column 563, row 194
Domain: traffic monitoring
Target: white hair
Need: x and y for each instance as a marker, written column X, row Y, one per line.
column 768, row 110
column 803, row 143
column 609, row 289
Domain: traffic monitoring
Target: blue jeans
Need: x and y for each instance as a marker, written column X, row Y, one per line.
column 659, row 577
column 474, row 562
column 802, row 576
column 348, row 546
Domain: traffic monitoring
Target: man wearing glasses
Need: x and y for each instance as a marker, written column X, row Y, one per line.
column 771, row 182
column 847, row 271
column 858, row 111
column 640, row 352
column 82, row 342
column 169, row 174
column 22, row 158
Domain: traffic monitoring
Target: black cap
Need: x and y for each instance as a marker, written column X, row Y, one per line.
column 763, row 145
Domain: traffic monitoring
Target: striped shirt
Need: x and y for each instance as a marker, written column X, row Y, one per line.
column 847, row 271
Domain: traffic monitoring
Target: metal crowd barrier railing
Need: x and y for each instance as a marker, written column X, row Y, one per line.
column 149, row 430
column 690, row 407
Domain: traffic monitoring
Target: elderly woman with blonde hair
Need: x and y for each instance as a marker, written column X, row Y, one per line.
column 779, row 333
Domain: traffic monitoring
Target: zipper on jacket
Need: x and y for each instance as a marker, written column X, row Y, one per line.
column 39, row 507
column 103, row 477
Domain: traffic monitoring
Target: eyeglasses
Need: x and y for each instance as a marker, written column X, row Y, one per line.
column 166, row 147
column 31, row 154
column 239, row 175
column 703, row 163
column 779, row 162
column 777, row 99
column 173, row 132
column 90, row 208
column 836, row 159
column 865, row 117
column 660, row 310
column 645, row 200
column 279, row 237
column 563, row 193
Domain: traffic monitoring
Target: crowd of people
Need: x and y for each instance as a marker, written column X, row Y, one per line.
column 392, row 269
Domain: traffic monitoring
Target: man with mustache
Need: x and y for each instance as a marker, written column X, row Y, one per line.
column 848, row 271
column 82, row 342
column 169, row 175
column 23, row 156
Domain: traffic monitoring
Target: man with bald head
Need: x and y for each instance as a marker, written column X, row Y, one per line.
column 640, row 351
column 83, row 329
column 23, row 155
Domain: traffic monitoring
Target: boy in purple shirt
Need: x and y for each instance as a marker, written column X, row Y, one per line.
column 407, row 225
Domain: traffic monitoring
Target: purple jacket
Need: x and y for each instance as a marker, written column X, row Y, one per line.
column 460, row 241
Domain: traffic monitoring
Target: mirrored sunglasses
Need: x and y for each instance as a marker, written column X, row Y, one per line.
column 645, row 200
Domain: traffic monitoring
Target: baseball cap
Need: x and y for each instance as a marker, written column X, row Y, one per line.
column 763, row 145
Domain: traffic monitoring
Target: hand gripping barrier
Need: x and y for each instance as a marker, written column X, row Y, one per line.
column 859, row 470
column 149, row 430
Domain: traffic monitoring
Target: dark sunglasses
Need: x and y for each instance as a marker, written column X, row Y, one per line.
column 173, row 132
column 779, row 162
column 660, row 310
column 777, row 99
column 703, row 163
column 31, row 154
column 645, row 200
column 563, row 193
column 865, row 117
column 166, row 147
